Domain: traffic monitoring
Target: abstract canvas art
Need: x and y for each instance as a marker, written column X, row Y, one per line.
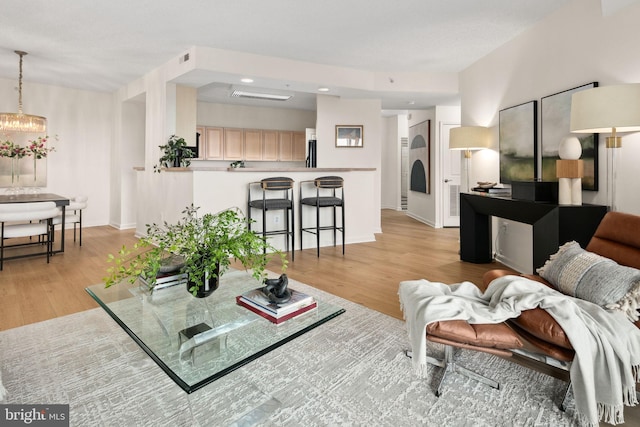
column 555, row 112
column 518, row 135
column 419, row 157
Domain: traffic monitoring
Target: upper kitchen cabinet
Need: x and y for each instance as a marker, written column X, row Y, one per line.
column 233, row 144
column 218, row 143
column 253, row 144
column 212, row 144
column 270, row 145
column 299, row 149
column 285, row 145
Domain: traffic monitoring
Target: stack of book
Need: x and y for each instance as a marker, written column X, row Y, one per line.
column 165, row 280
column 492, row 190
column 257, row 302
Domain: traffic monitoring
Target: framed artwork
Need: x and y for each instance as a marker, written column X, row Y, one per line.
column 349, row 136
column 518, row 132
column 420, row 157
column 555, row 113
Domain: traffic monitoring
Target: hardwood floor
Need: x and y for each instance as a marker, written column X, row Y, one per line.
column 369, row 273
column 32, row 290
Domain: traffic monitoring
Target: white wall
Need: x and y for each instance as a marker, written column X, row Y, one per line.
column 83, row 121
column 334, row 111
column 390, row 162
column 239, row 116
column 574, row 46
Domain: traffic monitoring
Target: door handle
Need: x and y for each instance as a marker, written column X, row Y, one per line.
column 448, row 180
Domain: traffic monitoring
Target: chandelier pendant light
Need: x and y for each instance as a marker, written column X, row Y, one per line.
column 20, row 122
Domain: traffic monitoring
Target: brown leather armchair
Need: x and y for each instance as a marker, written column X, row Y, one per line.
column 535, row 333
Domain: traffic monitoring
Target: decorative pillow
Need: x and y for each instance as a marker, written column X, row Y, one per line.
column 585, row 275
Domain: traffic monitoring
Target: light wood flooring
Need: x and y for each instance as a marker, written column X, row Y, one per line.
column 369, row 273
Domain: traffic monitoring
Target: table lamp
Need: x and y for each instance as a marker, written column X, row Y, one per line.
column 469, row 138
column 607, row 109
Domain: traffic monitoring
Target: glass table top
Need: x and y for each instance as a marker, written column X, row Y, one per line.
column 198, row 340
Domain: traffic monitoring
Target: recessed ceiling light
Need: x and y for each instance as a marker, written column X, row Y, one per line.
column 411, row 102
column 246, row 80
column 323, row 89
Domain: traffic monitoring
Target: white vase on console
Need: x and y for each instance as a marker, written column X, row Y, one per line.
column 570, row 188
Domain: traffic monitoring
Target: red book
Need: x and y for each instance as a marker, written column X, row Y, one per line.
column 277, row 320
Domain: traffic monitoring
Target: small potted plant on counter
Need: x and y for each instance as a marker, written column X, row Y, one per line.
column 176, row 153
column 204, row 245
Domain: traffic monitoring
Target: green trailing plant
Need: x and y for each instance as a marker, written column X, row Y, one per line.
column 175, row 153
column 205, row 244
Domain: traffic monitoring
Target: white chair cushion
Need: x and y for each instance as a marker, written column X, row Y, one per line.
column 78, row 202
column 68, row 219
column 27, row 211
column 24, row 230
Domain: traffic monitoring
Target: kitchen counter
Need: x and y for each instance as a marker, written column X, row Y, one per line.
column 215, row 188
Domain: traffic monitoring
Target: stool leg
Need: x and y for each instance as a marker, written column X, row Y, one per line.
column 2, row 247
column 318, row 228
column 264, row 226
column 300, row 223
column 335, row 225
column 293, row 231
column 342, row 209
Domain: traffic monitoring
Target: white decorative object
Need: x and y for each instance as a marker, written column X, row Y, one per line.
column 570, row 148
column 564, row 191
column 570, row 187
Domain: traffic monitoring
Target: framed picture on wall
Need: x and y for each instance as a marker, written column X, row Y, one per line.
column 555, row 114
column 420, row 157
column 349, row 136
column 518, row 129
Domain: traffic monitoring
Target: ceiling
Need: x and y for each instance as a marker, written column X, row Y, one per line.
column 104, row 45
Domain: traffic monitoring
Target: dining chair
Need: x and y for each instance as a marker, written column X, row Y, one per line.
column 73, row 215
column 18, row 220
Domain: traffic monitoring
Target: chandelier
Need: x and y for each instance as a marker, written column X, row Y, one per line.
column 20, row 122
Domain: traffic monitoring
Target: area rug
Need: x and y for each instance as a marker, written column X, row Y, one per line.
column 350, row 371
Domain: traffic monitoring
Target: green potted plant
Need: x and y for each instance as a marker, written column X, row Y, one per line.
column 175, row 154
column 204, row 244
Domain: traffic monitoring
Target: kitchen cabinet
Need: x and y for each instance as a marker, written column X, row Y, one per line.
column 213, row 143
column 233, row 144
column 220, row 143
column 285, row 145
column 299, row 149
column 270, row 145
column 253, row 144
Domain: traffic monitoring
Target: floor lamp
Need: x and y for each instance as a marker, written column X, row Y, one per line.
column 469, row 138
column 607, row 109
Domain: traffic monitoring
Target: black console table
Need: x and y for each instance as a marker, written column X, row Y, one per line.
column 553, row 225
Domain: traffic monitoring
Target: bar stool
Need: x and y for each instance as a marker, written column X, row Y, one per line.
column 281, row 189
column 325, row 197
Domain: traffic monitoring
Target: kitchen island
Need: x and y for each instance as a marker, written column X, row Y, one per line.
column 216, row 188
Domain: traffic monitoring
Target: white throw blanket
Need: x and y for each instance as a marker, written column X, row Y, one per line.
column 607, row 362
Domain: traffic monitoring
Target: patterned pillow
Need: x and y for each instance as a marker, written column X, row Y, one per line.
column 585, row 275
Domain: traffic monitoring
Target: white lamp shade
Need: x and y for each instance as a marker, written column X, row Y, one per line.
column 469, row 138
column 600, row 109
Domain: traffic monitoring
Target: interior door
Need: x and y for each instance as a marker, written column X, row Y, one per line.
column 451, row 175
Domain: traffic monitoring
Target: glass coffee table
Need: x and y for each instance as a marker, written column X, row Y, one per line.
column 198, row 340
